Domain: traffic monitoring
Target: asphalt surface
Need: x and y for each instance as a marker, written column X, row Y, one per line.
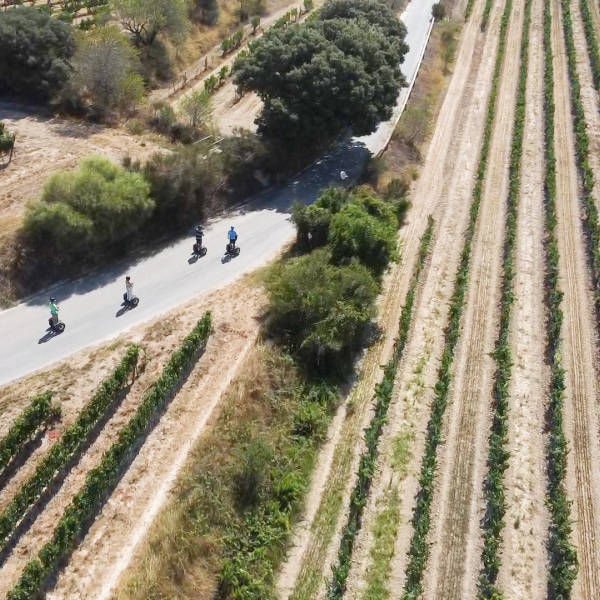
column 170, row 276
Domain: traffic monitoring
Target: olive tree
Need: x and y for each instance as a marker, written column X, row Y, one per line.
column 145, row 19
column 105, row 69
column 196, row 108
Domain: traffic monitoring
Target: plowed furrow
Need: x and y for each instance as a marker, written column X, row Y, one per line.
column 581, row 422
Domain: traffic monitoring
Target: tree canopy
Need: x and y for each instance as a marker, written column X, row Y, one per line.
column 97, row 205
column 105, row 69
column 145, row 19
column 35, row 51
column 319, row 77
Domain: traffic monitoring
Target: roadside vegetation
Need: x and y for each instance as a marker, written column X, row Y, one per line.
column 562, row 553
column 242, row 492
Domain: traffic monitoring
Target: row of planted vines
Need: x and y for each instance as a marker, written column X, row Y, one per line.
column 36, row 417
column 582, row 151
column 493, row 522
column 562, row 554
column 591, row 41
column 62, row 454
column 101, row 481
column 383, row 396
column 419, row 547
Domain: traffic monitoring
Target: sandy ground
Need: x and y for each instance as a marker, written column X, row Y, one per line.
column 581, row 407
column 431, row 188
column 45, row 145
column 524, row 559
column 110, row 545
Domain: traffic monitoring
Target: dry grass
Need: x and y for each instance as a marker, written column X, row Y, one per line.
column 186, row 545
column 411, row 137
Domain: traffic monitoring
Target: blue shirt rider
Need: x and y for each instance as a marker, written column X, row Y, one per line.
column 232, row 235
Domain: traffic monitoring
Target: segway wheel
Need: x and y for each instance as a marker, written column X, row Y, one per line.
column 237, row 251
column 135, row 302
column 203, row 251
column 60, row 327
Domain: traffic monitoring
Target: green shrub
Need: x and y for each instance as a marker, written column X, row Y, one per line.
column 311, row 421
column 36, row 416
column 354, row 232
column 35, row 51
column 97, row 205
column 254, row 463
column 321, row 310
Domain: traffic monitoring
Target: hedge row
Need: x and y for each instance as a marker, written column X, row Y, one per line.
column 66, row 449
column 562, row 554
column 419, row 548
column 592, row 43
column 493, row 522
column 383, row 397
column 469, row 9
column 36, row 416
column 582, row 152
column 102, row 480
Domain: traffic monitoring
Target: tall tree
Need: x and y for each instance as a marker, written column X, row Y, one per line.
column 34, row 52
column 322, row 76
column 105, row 69
column 145, row 19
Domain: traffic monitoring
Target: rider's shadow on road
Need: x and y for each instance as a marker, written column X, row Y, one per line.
column 125, row 308
column 50, row 334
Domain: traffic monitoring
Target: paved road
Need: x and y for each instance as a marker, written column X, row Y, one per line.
column 168, row 277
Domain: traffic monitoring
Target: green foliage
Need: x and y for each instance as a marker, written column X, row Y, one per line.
column 469, row 8
column 591, row 222
column 308, row 5
column 206, row 11
column 105, row 70
column 254, row 546
column 562, row 553
column 233, row 42
column 146, row 19
column 339, row 70
column 182, row 185
column 255, row 22
column 196, row 107
column 101, row 480
column 592, row 42
column 7, row 139
column 493, row 522
column 69, row 447
column 35, row 51
column 486, row 14
column 419, row 548
column 438, row 11
column 353, row 232
column 321, row 310
column 38, row 414
column 81, row 211
column 383, row 397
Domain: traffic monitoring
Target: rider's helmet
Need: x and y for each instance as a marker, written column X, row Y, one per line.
column 52, row 300
column 198, row 228
column 127, row 278
column 232, row 228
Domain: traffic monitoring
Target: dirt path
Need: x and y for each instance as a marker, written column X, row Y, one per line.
column 523, row 572
column 455, row 558
column 581, row 419
column 464, row 103
column 110, row 545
